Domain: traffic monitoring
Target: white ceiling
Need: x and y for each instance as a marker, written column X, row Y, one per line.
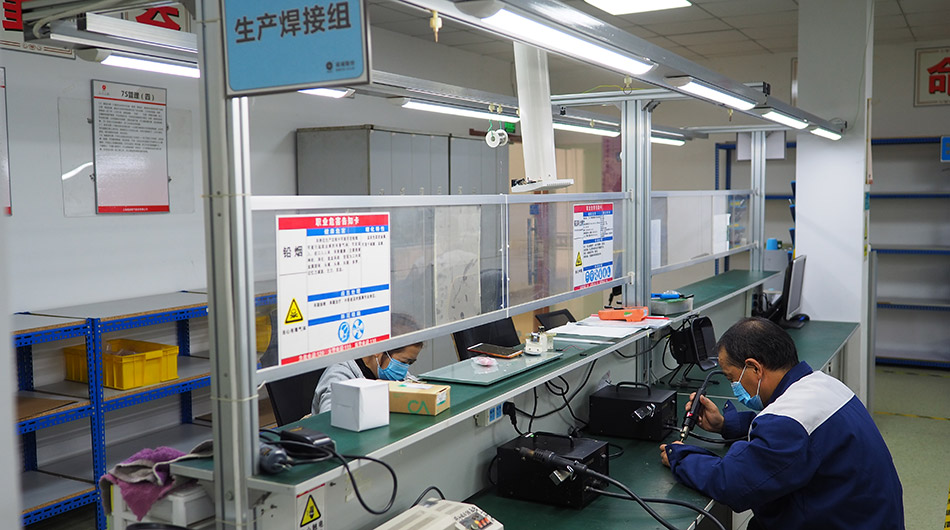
column 708, row 29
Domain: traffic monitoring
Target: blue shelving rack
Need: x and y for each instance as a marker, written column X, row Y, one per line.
column 44, row 494
column 94, row 321
column 893, row 304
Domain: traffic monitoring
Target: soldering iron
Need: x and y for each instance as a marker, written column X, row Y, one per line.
column 690, row 421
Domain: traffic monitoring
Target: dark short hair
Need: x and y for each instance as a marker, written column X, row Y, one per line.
column 760, row 339
column 401, row 324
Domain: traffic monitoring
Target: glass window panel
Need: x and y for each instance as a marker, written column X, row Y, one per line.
column 693, row 226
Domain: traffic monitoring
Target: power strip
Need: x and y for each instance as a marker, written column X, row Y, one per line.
column 489, row 416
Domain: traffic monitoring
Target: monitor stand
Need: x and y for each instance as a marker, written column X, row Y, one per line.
column 796, row 322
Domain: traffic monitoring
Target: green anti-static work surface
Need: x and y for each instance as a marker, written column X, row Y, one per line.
column 817, row 343
column 463, row 398
column 712, row 289
column 639, row 468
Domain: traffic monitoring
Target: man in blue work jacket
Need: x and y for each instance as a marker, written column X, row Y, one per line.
column 811, row 459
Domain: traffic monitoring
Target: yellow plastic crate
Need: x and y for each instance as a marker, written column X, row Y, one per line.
column 150, row 364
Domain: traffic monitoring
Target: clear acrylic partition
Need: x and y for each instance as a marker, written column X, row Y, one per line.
column 692, row 227
column 542, row 238
column 448, row 262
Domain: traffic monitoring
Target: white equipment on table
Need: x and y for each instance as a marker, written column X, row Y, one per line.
column 439, row 514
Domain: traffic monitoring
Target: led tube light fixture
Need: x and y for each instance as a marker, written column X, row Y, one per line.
column 335, row 93
column 779, row 117
column 704, row 90
column 825, row 133
column 586, row 129
column 546, row 37
column 666, row 141
column 140, row 62
column 408, row 103
column 625, row 7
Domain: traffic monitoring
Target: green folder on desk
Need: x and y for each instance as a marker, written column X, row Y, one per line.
column 472, row 373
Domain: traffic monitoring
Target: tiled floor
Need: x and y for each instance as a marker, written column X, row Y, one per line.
column 912, row 409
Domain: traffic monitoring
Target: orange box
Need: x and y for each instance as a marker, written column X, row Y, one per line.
column 630, row 314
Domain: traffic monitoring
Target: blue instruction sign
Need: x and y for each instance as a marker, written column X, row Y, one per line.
column 945, row 148
column 292, row 44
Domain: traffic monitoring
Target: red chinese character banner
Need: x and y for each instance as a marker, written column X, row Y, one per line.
column 933, row 77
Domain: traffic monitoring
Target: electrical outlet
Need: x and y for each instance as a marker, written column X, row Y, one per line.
column 489, row 416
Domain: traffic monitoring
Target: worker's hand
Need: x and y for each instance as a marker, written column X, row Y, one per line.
column 663, row 458
column 709, row 419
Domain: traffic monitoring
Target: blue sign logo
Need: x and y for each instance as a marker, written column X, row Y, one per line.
column 945, row 148
column 357, row 329
column 344, row 332
column 294, row 44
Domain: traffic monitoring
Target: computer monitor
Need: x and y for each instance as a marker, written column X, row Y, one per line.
column 787, row 309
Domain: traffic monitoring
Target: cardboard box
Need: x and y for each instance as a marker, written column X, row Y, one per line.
column 359, row 404
column 418, row 398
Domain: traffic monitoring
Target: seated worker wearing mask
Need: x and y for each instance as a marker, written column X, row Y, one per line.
column 391, row 365
column 811, row 459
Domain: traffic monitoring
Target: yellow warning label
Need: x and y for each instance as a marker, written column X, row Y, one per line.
column 577, row 262
column 293, row 314
column 310, row 512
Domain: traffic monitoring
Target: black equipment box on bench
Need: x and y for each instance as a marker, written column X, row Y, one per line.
column 520, row 478
column 631, row 410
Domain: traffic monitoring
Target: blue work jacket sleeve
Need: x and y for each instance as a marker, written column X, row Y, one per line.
column 735, row 423
column 775, row 462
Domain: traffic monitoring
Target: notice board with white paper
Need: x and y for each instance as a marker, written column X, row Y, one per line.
column 333, row 283
column 130, row 148
column 593, row 244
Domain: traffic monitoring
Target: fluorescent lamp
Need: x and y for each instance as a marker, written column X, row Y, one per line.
column 625, row 7
column 666, row 141
column 527, row 30
column 703, row 90
column 779, row 117
column 407, row 103
column 825, row 133
column 585, row 129
column 329, row 92
column 148, row 63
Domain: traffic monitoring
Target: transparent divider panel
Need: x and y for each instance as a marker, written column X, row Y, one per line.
column 689, row 227
column 543, row 256
column 446, row 262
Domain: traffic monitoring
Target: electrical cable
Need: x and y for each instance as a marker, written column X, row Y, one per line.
column 533, row 411
column 356, row 490
column 618, row 454
column 648, row 350
column 535, row 416
column 490, row 464
column 684, row 504
column 427, row 490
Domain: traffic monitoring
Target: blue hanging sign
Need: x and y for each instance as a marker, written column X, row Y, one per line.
column 282, row 45
column 945, row 148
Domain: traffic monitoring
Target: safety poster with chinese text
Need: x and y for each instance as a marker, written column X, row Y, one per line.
column 593, row 244
column 333, row 283
column 130, row 153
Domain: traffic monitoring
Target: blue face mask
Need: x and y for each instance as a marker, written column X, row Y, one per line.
column 753, row 402
column 394, row 371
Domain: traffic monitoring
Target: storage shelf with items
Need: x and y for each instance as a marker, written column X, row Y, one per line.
column 44, row 494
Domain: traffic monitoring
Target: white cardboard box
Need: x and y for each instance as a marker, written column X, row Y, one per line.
column 359, row 404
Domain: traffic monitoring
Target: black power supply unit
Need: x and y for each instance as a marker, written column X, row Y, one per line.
column 520, row 478
column 632, row 410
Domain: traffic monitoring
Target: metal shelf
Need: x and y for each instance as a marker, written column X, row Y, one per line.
column 193, row 372
column 46, row 495
column 913, row 304
column 933, row 250
column 80, row 408
column 894, row 358
column 182, row 437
